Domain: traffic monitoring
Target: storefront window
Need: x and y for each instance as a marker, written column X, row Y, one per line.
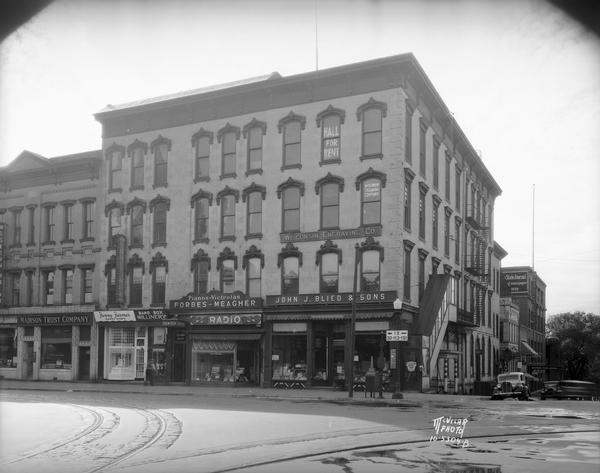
column 289, row 357
column 367, row 348
column 213, row 361
column 8, row 348
column 56, row 347
column 121, row 353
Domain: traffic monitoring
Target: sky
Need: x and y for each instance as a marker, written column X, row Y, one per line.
column 521, row 78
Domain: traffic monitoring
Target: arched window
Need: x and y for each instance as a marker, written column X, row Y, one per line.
column 371, row 115
column 371, row 255
column 227, row 265
column 254, row 132
column 159, row 207
column 200, row 267
column 137, row 226
column 292, row 126
column 114, row 223
column 114, row 155
column 227, row 198
column 161, row 147
column 330, row 120
column 290, row 260
column 228, row 137
column 136, row 151
column 290, row 191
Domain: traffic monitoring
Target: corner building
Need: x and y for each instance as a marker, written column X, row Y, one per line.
column 243, row 210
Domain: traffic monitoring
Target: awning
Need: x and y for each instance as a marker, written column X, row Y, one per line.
column 528, row 349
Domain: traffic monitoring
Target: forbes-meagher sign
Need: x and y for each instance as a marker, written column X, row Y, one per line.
column 215, row 301
column 514, row 283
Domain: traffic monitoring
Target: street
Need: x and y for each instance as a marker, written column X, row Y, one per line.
column 85, row 432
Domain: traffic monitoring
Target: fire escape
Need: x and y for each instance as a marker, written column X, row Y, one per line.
column 476, row 260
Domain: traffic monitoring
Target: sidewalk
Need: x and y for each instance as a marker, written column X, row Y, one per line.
column 410, row 399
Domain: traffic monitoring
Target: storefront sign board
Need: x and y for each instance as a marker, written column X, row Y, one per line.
column 215, row 301
column 226, row 319
column 322, row 235
column 114, row 316
column 514, row 283
column 55, row 319
column 333, row 298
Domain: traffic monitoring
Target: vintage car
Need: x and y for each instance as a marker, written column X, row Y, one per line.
column 514, row 385
column 570, row 389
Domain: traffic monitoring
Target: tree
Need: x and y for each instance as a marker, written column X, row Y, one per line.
column 578, row 337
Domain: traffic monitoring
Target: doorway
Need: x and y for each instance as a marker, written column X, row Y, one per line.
column 84, row 363
column 29, row 360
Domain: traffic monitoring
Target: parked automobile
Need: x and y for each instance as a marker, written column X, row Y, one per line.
column 514, row 385
column 570, row 389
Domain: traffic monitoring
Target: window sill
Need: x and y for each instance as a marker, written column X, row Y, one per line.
column 291, row 166
column 254, row 236
column 201, row 240
column 115, row 190
column 227, row 238
column 162, row 184
column 227, row 176
column 159, row 244
column 254, row 171
column 371, row 156
column 136, row 188
column 330, row 161
column 201, row 179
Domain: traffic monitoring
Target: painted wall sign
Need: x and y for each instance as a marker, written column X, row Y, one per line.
column 55, row 319
column 319, row 235
column 334, row 298
column 514, row 283
column 226, row 319
column 216, row 301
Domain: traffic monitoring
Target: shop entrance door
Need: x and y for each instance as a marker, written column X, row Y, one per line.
column 29, row 360
column 84, row 363
column 246, row 370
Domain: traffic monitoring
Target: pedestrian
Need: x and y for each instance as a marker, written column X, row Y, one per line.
column 150, row 369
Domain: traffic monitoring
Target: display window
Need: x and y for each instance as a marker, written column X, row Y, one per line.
column 213, row 361
column 289, row 357
column 56, row 347
column 121, row 353
column 367, row 349
column 8, row 348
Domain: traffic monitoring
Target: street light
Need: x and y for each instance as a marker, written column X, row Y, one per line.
column 352, row 324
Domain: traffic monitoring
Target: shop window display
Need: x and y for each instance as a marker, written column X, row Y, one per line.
column 56, row 348
column 289, row 357
column 8, row 348
column 213, row 361
column 367, row 348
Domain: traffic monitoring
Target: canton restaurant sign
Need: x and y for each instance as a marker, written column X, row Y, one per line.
column 514, row 283
column 319, row 235
column 333, row 298
column 216, row 301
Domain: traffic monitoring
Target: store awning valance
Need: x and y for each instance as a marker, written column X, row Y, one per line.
column 226, row 336
column 528, row 350
column 329, row 316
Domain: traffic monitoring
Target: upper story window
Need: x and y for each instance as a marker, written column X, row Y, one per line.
column 159, row 206
column 228, row 137
column 330, row 187
column 371, row 255
column 49, row 223
column 161, row 147
column 114, row 212
column 329, row 258
column 87, row 218
column 227, row 198
column 370, row 184
column 201, row 269
column 408, row 246
column 48, row 287
column 201, row 141
column 110, row 271
column 436, row 162
column 255, row 195
column 290, row 193
column 457, row 186
column 408, row 114
column 447, row 214
column 68, row 224
column 254, row 132
column 115, row 155
column 14, row 292
column 330, row 121
column 201, row 202
column 422, row 147
column 292, row 126
column 290, row 260
column 254, row 261
column 16, row 221
column 447, row 177
column 457, row 223
column 159, row 267
column 87, row 284
column 29, row 288
column 136, row 209
column 423, row 189
column 227, row 265
column 371, row 115
column 435, row 221
column 31, row 224
column 67, row 286
column 137, row 151
column 136, row 269
column 408, row 179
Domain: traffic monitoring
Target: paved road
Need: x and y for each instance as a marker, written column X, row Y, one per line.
column 85, row 428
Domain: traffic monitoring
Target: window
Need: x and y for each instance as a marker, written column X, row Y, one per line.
column 408, row 133
column 291, row 209
column 29, row 288
column 16, row 236
column 408, row 246
column 371, row 202
column 201, row 207
column 447, row 233
column 56, row 347
column 48, row 287
column 457, row 241
column 229, row 154
column 290, row 276
column 14, row 280
column 114, row 224
column 329, row 273
column 115, row 155
column 369, row 271
column 421, row 277
column 68, row 223
column 330, row 205
column 201, row 269
column 228, row 216
column 31, row 219
column 227, row 276
column 435, row 220
column 422, row 196
column 67, row 286
column 436, row 163
column 331, row 139
column 408, row 199
column 253, row 277
column 111, row 286
column 291, row 144
column 457, row 186
column 159, row 206
column 88, row 219
column 255, row 148
column 49, row 224
column 137, row 226
column 447, row 177
column 8, row 348
column 422, row 147
column 254, row 213
column 202, row 150
column 371, row 114
column 137, row 153
column 161, row 147
column 87, row 275
column 159, row 279
column 136, row 275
